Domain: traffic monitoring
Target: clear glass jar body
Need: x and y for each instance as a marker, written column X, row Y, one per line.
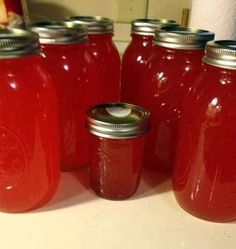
column 134, row 61
column 107, row 58
column 169, row 74
column 78, row 87
column 29, row 167
column 115, row 166
column 204, row 177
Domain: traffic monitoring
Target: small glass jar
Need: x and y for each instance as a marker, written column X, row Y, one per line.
column 175, row 63
column 78, row 84
column 29, row 165
column 116, row 148
column 204, row 177
column 137, row 54
column 105, row 53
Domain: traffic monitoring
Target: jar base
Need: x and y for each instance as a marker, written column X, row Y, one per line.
column 110, row 198
column 202, row 217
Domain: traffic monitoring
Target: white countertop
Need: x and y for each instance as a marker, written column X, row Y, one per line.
column 77, row 219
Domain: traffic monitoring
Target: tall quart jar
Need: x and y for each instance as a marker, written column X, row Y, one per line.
column 105, row 53
column 78, row 85
column 204, row 177
column 118, row 132
column 29, row 165
column 173, row 67
column 137, row 54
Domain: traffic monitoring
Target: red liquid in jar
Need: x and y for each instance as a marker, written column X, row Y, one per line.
column 168, row 76
column 115, row 166
column 78, row 87
column 107, row 58
column 204, row 178
column 133, row 66
column 29, row 151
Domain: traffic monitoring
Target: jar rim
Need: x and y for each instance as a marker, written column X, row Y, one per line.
column 149, row 26
column 95, row 24
column 182, row 38
column 221, row 53
column 18, row 43
column 59, row 32
column 118, row 120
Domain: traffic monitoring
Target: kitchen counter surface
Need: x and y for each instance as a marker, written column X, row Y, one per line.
column 78, row 219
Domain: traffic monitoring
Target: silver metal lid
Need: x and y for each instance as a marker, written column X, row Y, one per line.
column 18, row 43
column 183, row 38
column 118, row 120
column 221, row 54
column 149, row 26
column 95, row 24
column 59, row 32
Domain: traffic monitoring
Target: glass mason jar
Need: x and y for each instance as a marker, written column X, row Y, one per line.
column 175, row 63
column 66, row 55
column 104, row 51
column 116, row 148
column 137, row 54
column 29, row 166
column 204, row 177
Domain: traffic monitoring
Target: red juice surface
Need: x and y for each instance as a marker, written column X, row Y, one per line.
column 29, row 165
column 107, row 58
column 133, row 66
column 78, row 87
column 115, row 166
column 204, row 177
column 169, row 74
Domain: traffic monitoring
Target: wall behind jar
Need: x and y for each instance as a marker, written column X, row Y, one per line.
column 122, row 11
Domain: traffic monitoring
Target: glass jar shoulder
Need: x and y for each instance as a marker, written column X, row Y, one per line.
column 137, row 51
column 26, row 86
column 103, row 46
column 25, row 72
column 212, row 97
column 65, row 51
column 170, row 67
column 67, row 57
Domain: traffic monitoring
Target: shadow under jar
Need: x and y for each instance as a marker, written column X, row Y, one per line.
column 116, row 148
column 104, row 51
column 204, row 177
column 29, row 140
column 175, row 64
column 77, row 82
column 137, row 55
